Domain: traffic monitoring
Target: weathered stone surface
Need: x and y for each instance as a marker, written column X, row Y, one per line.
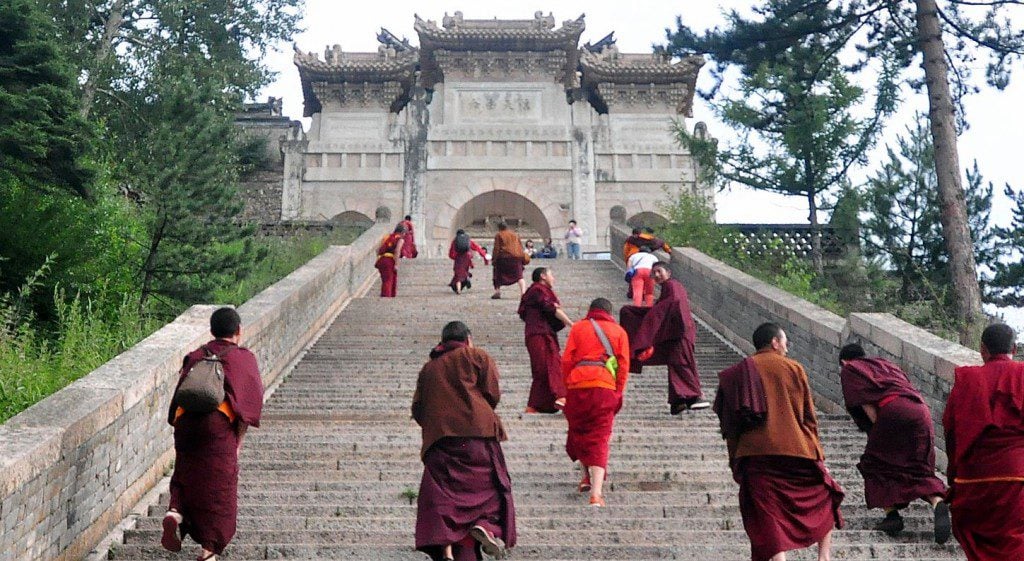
column 72, row 465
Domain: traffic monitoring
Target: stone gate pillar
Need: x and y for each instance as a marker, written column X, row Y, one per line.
column 584, row 195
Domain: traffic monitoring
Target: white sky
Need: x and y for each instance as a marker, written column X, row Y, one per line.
column 638, row 24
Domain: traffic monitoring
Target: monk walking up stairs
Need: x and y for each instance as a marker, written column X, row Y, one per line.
column 334, row 472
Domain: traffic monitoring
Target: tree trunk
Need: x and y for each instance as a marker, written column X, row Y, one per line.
column 111, row 27
column 150, row 264
column 816, row 258
column 953, row 208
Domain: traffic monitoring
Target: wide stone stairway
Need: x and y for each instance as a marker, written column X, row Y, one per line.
column 333, row 471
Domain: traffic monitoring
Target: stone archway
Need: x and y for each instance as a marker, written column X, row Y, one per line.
column 646, row 219
column 481, row 214
column 352, row 218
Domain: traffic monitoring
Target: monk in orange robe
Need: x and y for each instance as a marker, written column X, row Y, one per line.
column 594, row 389
column 507, row 260
column 984, row 427
column 788, row 500
column 387, row 261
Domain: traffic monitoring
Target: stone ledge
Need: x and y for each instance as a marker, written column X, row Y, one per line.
column 45, row 438
column 910, row 344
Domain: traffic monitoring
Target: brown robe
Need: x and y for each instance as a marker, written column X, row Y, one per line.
column 537, row 309
column 204, row 485
column 984, row 427
column 788, row 500
column 465, row 480
column 898, row 464
column 668, row 327
column 508, row 259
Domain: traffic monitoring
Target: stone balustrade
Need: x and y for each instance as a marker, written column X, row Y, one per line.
column 734, row 303
column 73, row 465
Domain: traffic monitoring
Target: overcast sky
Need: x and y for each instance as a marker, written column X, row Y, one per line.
column 995, row 136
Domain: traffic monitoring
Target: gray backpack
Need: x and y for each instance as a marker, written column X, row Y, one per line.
column 202, row 389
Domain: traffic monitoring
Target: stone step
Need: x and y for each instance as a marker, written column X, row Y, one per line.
column 331, row 471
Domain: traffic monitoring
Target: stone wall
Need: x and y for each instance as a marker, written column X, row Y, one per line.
column 734, row 303
column 73, row 465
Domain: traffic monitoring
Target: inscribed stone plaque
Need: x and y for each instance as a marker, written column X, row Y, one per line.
column 351, row 127
column 500, row 106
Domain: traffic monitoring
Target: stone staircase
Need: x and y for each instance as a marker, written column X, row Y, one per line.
column 332, row 472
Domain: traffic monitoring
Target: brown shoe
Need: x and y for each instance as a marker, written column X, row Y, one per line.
column 597, row 502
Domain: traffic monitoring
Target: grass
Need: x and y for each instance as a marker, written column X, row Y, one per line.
column 38, row 360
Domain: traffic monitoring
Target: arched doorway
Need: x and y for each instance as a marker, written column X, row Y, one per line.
column 480, row 216
column 647, row 219
column 351, row 218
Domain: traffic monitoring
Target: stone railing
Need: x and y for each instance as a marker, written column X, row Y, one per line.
column 734, row 303
column 74, row 464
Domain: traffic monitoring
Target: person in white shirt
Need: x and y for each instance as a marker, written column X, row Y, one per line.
column 573, row 237
column 642, row 283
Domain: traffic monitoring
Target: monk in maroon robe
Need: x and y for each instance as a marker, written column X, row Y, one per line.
column 540, row 309
column 463, row 262
column 204, row 485
column 387, row 261
column 666, row 334
column 984, row 427
column 408, row 240
column 898, row 464
column 788, row 500
column 508, row 261
column 465, row 501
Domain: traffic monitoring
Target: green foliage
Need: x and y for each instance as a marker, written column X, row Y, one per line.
column 1008, row 282
column 795, row 115
column 36, row 361
column 43, row 141
column 282, row 256
column 902, row 225
column 91, row 245
column 691, row 224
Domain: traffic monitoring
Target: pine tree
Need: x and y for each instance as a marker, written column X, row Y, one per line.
column 43, row 142
column 895, row 33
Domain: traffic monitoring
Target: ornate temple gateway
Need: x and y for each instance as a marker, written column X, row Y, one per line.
column 489, row 120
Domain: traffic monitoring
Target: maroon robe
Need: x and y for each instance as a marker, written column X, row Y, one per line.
column 898, row 464
column 668, row 327
column 463, row 262
column 387, row 265
column 786, row 503
column 537, row 309
column 409, row 247
column 465, row 480
column 740, row 401
column 204, row 485
column 507, row 271
column 984, row 427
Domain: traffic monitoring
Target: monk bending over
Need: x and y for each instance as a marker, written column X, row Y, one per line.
column 788, row 500
column 984, row 426
column 596, row 367
column 666, row 334
column 465, row 500
column 898, row 463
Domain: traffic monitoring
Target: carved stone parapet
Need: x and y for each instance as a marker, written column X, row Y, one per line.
column 677, row 96
column 492, row 64
column 359, row 94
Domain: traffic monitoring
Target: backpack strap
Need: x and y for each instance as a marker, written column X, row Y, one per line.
column 604, row 338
